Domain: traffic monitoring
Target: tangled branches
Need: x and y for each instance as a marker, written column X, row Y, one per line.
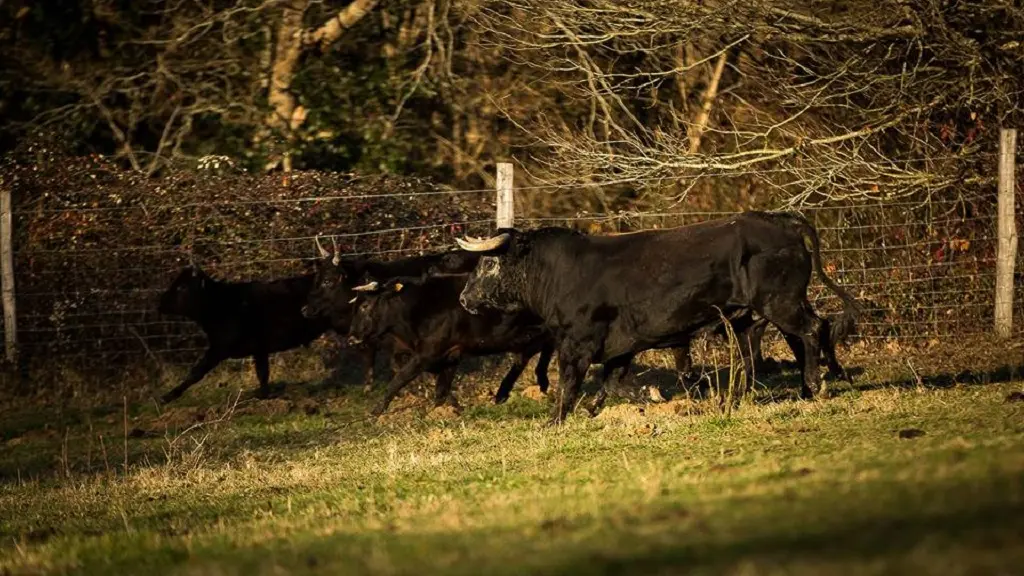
column 818, row 101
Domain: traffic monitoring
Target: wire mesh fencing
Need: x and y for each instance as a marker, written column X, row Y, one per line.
column 95, row 247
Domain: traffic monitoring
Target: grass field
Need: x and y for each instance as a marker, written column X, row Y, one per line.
column 894, row 476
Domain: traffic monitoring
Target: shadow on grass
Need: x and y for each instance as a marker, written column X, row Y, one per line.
column 934, row 529
column 991, row 526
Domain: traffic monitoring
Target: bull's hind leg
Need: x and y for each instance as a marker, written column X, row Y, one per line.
column 828, row 348
column 262, row 362
column 443, row 385
column 798, row 319
column 208, row 362
column 540, row 371
column 613, row 374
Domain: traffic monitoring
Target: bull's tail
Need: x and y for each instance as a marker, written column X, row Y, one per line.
column 845, row 325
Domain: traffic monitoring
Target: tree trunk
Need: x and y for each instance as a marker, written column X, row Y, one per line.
column 285, row 118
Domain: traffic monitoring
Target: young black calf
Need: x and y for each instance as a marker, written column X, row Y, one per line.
column 241, row 319
column 423, row 315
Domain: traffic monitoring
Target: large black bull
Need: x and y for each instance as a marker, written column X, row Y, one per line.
column 608, row 298
column 423, row 315
column 241, row 319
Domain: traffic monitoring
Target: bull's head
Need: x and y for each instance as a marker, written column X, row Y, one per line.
column 328, row 277
column 373, row 303
column 186, row 294
column 494, row 281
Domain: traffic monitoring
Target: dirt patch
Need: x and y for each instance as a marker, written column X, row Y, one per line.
column 179, row 417
column 403, row 409
column 534, row 393
column 676, row 407
column 445, row 412
column 621, row 412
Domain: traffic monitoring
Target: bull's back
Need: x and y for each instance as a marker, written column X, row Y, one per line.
column 267, row 317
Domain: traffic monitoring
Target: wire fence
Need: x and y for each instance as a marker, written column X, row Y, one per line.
column 91, row 258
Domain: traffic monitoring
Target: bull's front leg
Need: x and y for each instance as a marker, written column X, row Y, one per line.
column 208, row 362
column 505, row 388
column 572, row 367
column 407, row 374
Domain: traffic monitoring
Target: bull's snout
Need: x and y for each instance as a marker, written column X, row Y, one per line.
column 353, row 340
column 462, row 301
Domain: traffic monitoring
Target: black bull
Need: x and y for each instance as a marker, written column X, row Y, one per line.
column 608, row 298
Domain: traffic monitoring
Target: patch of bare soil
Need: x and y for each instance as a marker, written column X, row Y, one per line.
column 621, row 412
column 175, row 417
column 403, row 409
column 677, row 407
column 534, row 393
column 268, row 407
column 445, row 412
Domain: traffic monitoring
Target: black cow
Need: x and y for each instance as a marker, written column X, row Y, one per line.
column 332, row 297
column 608, row 298
column 241, row 319
column 423, row 315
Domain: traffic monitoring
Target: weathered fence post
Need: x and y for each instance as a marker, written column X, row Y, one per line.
column 7, row 275
column 506, row 207
column 1006, row 249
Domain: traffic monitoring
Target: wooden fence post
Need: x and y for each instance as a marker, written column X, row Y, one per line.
column 1006, row 249
column 506, row 207
column 7, row 275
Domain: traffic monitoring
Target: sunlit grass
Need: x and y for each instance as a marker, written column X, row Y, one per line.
column 886, row 480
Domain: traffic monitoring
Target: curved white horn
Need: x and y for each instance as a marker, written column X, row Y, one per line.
column 337, row 253
column 471, row 244
column 368, row 287
column 323, row 251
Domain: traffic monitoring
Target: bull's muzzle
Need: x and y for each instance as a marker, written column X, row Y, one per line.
column 466, row 305
column 354, row 341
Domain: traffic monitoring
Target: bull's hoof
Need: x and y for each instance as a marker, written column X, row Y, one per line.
column 378, row 409
column 806, row 393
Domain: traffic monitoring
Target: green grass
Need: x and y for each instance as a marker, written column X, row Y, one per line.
column 307, row 484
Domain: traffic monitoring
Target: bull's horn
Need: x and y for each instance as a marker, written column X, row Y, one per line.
column 323, row 251
column 368, row 287
column 337, row 253
column 471, row 244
